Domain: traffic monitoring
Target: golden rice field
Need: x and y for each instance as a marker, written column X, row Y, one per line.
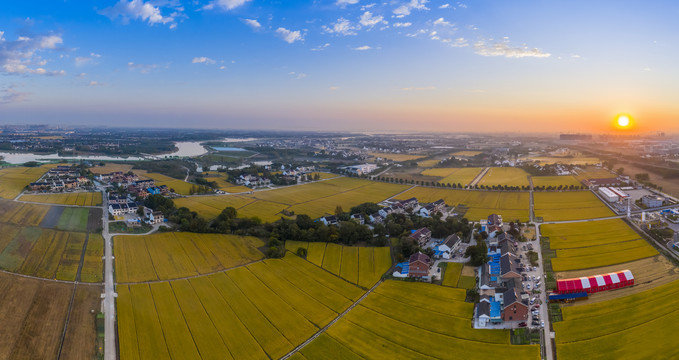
column 428, row 163
column 594, row 244
column 78, row 198
column 637, row 326
column 111, row 167
column 22, row 214
column 259, row 311
column 511, row 205
column 222, row 181
column 13, row 180
column 577, row 160
column 570, row 205
column 510, row 176
column 359, row 265
column 466, row 153
column 407, row 320
column 451, row 276
column 462, row 176
column 314, row 199
column 555, row 181
column 591, row 172
column 49, row 253
column 396, row 157
column 181, row 187
column 166, row 256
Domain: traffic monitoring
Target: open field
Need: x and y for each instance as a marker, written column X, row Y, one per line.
column 555, row 181
column 81, row 334
column 22, row 214
column 595, row 244
column 382, row 327
column 396, row 157
column 78, row 198
column 648, row 274
column 511, row 205
column 451, row 276
column 13, row 180
column 314, row 199
column 111, row 167
column 223, row 182
column 359, row 265
column 577, row 160
column 73, row 219
column 592, row 172
column 259, row 311
column 427, row 163
column 571, row 205
column 505, row 176
column 466, row 153
column 637, row 326
column 33, row 314
column 462, row 176
column 166, row 256
column 92, row 270
column 179, row 186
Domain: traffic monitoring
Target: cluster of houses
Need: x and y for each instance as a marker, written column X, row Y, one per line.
column 60, row 178
column 130, row 181
column 410, row 206
column 121, row 205
column 252, row 180
column 360, row 169
column 502, row 295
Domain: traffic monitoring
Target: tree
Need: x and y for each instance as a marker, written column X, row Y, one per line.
column 302, row 252
column 140, row 211
column 478, row 254
column 621, row 170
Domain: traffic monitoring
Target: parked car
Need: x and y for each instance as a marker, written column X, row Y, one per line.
column 523, row 324
column 535, row 323
column 542, row 323
column 538, row 278
column 528, row 286
column 537, row 284
column 533, row 277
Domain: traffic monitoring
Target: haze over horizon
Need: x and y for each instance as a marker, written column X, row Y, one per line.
column 348, row 65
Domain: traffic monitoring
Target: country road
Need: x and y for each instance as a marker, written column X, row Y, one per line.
column 109, row 288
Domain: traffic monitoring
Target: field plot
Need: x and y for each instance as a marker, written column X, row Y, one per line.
column 577, row 160
column 505, row 176
column 33, row 314
column 462, row 176
column 396, row 157
column 511, row 205
column 179, row 186
column 259, row 311
column 591, row 172
column 631, row 327
column 111, row 167
column 14, row 180
column 73, row 219
column 428, row 163
column 223, row 182
column 595, row 244
column 166, row 256
column 22, row 214
column 555, row 181
column 314, row 199
column 81, row 334
column 466, row 153
column 451, row 277
column 92, row 270
column 79, row 198
column 359, row 265
column 571, row 205
column 380, row 327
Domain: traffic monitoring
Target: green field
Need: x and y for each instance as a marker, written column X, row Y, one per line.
column 594, row 244
column 359, row 265
column 555, row 181
column 570, row 205
column 405, row 320
column 259, row 311
column 505, row 176
column 73, row 219
column 462, row 176
column 451, row 276
column 631, row 327
column 511, row 205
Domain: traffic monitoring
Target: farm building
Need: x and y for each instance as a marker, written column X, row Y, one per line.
column 418, row 265
column 612, row 194
column 596, row 283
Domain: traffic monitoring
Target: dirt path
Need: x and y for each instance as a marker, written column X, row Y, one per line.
column 479, row 177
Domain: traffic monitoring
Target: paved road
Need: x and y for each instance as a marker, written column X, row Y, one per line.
column 109, row 288
column 544, row 308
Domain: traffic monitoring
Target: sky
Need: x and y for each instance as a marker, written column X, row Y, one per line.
column 347, row 65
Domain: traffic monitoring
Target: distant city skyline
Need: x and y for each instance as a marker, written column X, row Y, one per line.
column 341, row 65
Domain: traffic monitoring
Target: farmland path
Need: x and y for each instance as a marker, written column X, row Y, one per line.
column 109, row 287
column 583, row 220
column 314, row 336
column 45, row 279
column 479, row 177
column 410, row 188
column 190, row 276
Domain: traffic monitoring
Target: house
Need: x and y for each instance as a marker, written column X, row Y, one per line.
column 494, row 219
column 360, row 169
column 483, row 312
column 509, row 267
column 35, row 186
column 116, row 199
column 513, row 309
column 396, row 208
column 401, row 270
column 433, row 208
column 422, row 236
column 450, row 244
column 418, row 265
column 376, row 218
column 143, row 184
column 329, row 220
column 358, row 218
column 115, row 209
column 593, row 183
column 409, row 204
column 154, row 217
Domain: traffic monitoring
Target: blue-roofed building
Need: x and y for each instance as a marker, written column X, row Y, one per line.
column 401, row 270
column 495, row 311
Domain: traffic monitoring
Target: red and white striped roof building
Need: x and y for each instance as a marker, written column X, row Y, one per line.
column 596, row 283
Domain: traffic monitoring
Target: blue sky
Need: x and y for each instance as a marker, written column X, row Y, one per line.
column 357, row 65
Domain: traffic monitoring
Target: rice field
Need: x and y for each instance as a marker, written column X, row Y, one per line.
column 13, row 180
column 466, row 153
column 511, row 205
column 395, row 157
column 73, row 219
column 259, row 311
column 591, row 172
column 637, row 326
column 428, row 163
column 78, row 198
column 22, row 214
column 166, row 256
column 510, row 176
column 555, row 181
column 462, row 176
column 571, row 205
column 384, row 325
column 181, row 187
column 110, row 167
column 314, row 199
column 594, row 244
column 577, row 160
column 451, row 276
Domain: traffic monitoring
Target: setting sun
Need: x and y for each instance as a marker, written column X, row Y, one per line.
column 623, row 121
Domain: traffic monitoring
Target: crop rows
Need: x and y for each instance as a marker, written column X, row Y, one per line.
column 571, row 205
column 79, row 198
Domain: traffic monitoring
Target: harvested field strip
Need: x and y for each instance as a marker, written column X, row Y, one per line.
column 349, row 267
column 149, row 332
column 81, row 334
column 70, row 259
column 332, row 260
column 92, row 270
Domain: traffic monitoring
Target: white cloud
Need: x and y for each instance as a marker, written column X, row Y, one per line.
column 503, row 48
column 297, row 76
column 22, row 56
column 461, row 5
column 418, row 88
column 321, row 47
column 10, row 94
column 252, row 23
column 225, row 4
column 139, row 10
column 646, row 69
column 459, row 42
column 142, row 68
column 83, row 60
column 444, row 6
column 402, row 24
column 202, row 60
column 290, row 36
column 441, row 22
column 344, row 3
column 368, row 20
column 95, row 83
column 368, row 6
column 363, row 48
column 342, row 27
column 81, row 75
column 333, row 88
column 405, row 9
